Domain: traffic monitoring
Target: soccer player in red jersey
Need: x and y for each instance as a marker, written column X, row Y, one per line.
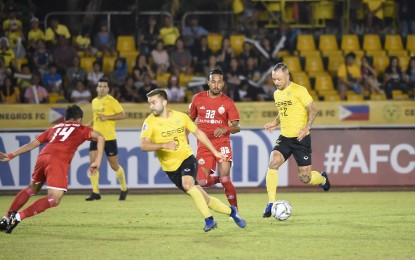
column 213, row 111
column 52, row 165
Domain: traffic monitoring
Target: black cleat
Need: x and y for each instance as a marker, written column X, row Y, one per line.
column 325, row 186
column 123, row 195
column 4, row 222
column 12, row 222
column 93, row 196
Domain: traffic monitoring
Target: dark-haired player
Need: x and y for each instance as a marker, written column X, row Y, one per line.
column 165, row 132
column 106, row 111
column 52, row 165
column 296, row 113
column 213, row 111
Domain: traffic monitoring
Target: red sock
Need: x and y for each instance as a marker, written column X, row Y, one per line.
column 21, row 198
column 230, row 190
column 38, row 207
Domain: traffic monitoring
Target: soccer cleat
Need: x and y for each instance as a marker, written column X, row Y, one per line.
column 267, row 211
column 238, row 220
column 12, row 222
column 326, row 186
column 123, row 195
column 4, row 222
column 93, row 196
column 210, row 224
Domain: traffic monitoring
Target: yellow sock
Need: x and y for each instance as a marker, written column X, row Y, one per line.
column 95, row 182
column 219, row 206
column 121, row 178
column 272, row 183
column 316, row 178
column 200, row 202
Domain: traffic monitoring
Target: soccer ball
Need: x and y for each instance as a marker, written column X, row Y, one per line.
column 281, row 210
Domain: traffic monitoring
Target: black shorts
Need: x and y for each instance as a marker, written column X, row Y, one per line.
column 301, row 150
column 111, row 148
column 188, row 167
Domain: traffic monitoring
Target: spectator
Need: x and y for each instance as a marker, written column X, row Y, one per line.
column 410, row 74
column 7, row 53
column 41, row 57
column 119, row 73
column 405, row 18
column 247, row 92
column 23, row 78
column 63, row 55
column 36, row 93
column 4, row 71
column 233, row 78
column 55, row 31
column 94, row 75
column 160, row 55
column 53, row 81
column 193, row 33
column 268, row 89
column 211, row 65
column 83, row 43
column 349, row 76
column 129, row 92
column 80, row 94
column 141, row 66
column 374, row 15
column 250, row 71
column 75, row 73
column 9, row 94
column 201, row 54
column 394, row 78
column 148, row 86
column 104, row 41
column 149, row 36
column 13, row 28
column 169, row 34
column 186, row 77
column 369, row 76
column 247, row 52
column 180, row 58
column 35, row 32
column 162, row 76
column 175, row 93
column 227, row 53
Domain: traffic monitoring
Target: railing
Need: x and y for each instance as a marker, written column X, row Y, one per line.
column 107, row 13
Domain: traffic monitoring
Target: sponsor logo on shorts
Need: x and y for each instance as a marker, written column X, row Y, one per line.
column 187, row 170
column 305, row 157
column 201, row 161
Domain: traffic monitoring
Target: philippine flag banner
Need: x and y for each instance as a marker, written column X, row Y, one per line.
column 354, row 113
column 56, row 115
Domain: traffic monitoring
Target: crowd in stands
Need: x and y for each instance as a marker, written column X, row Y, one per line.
column 50, row 66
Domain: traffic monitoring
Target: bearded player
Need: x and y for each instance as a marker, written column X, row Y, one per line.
column 213, row 111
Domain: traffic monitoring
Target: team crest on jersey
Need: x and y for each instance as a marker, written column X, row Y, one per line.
column 201, row 161
column 221, row 110
column 144, row 127
column 202, row 107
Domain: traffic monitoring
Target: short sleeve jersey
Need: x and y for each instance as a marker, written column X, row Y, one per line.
column 291, row 104
column 212, row 113
column 105, row 106
column 64, row 139
column 163, row 130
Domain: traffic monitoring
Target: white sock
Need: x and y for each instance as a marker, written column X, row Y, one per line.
column 18, row 217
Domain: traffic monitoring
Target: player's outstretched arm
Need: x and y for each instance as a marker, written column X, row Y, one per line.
column 201, row 136
column 25, row 148
column 99, row 138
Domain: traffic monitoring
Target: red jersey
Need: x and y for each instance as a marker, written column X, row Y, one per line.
column 212, row 113
column 64, row 139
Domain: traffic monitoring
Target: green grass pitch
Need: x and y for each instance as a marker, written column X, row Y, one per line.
column 333, row 225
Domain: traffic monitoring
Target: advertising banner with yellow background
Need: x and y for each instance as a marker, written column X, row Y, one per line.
column 253, row 114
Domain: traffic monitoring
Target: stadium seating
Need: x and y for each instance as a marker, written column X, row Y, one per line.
column 404, row 61
column 302, row 79
column 410, row 44
column 350, row 43
column 354, row 97
column 334, row 62
column 377, row 96
column 328, row 43
column 214, row 42
column 305, row 42
column 398, row 95
column 237, row 43
column 393, row 42
column 314, row 66
column 371, row 42
column 87, row 63
column 108, row 64
column 293, row 63
column 324, row 82
column 126, row 46
column 20, row 61
column 380, row 63
column 321, row 11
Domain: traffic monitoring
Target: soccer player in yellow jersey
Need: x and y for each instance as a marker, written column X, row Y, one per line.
column 165, row 132
column 106, row 110
column 296, row 113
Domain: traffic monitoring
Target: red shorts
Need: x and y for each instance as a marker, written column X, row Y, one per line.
column 52, row 171
column 206, row 159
